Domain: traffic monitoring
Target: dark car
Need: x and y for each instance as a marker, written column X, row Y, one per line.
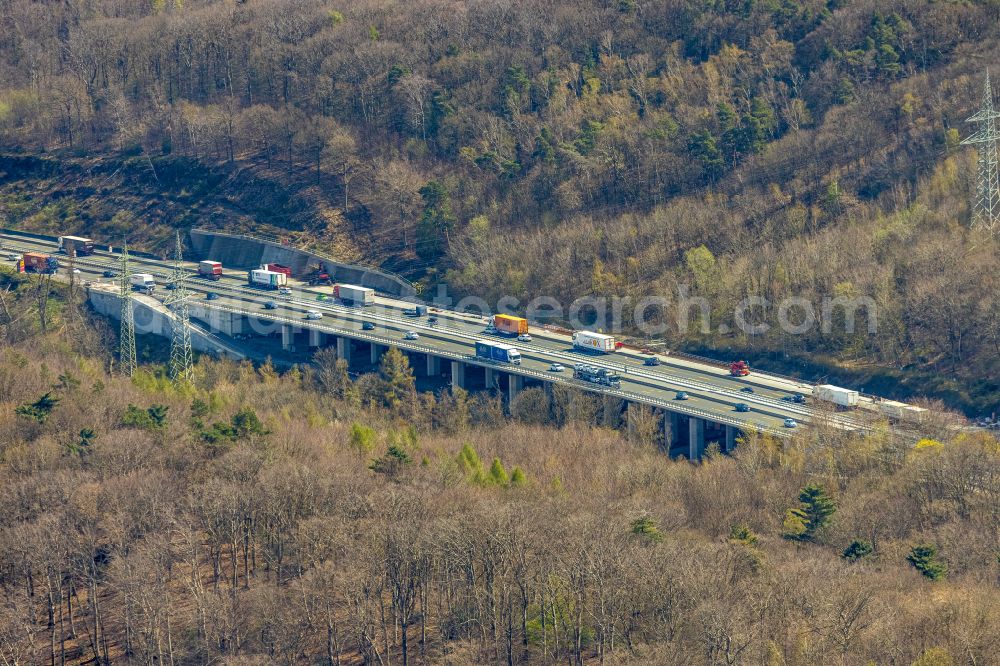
column 432, row 320
column 799, row 398
column 681, row 395
column 270, row 305
column 746, row 389
column 742, row 407
column 651, row 360
column 367, row 326
column 211, row 296
column 110, row 274
column 171, row 286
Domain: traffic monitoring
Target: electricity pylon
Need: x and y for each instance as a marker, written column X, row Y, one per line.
column 181, row 356
column 127, row 334
column 986, row 207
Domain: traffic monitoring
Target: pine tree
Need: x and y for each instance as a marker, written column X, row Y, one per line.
column 923, row 557
column 397, row 376
column 812, row 515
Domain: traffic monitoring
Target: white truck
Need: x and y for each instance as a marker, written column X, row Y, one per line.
column 211, row 270
column 261, row 277
column 901, row 411
column 143, row 282
column 352, row 294
column 598, row 342
column 839, row 396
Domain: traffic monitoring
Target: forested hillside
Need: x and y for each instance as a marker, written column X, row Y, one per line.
column 252, row 518
column 546, row 147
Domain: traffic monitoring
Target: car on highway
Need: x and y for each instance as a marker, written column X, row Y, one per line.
column 746, row 389
column 170, row 286
column 270, row 305
column 681, row 395
column 284, row 291
column 313, row 314
column 524, row 337
column 651, row 360
column 411, row 335
column 211, row 296
column 432, row 321
column 798, row 398
column 790, row 423
column 322, row 297
column 367, row 326
column 556, row 367
column 13, row 256
column 109, row 274
column 742, row 407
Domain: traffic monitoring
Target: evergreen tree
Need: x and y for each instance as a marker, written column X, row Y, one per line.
column 813, row 514
column 857, row 550
column 923, row 557
column 436, row 220
column 397, row 377
column 39, row 409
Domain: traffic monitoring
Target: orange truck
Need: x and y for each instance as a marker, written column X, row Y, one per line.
column 510, row 325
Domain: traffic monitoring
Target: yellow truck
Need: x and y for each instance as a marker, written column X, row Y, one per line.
column 509, row 325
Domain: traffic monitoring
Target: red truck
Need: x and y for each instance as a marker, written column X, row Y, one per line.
column 739, row 368
column 278, row 268
column 211, row 270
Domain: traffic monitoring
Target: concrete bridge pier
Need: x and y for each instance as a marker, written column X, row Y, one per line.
column 671, row 429
column 731, row 435
column 696, row 438
column 376, row 352
column 344, row 349
column 514, row 385
column 458, row 374
column 491, row 378
column 317, row 338
column 433, row 365
column 287, row 337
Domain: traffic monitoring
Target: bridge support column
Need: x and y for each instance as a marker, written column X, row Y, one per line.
column 344, row 349
column 491, row 378
column 731, row 438
column 671, row 429
column 514, row 385
column 458, row 374
column 317, row 338
column 433, row 365
column 376, row 352
column 287, row 337
column 696, row 438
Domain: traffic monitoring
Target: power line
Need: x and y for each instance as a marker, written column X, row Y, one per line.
column 986, row 207
column 180, row 339
column 127, row 334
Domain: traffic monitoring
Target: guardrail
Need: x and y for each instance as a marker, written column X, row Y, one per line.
column 410, row 345
column 55, row 241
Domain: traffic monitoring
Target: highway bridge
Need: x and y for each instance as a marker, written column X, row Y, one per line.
column 445, row 351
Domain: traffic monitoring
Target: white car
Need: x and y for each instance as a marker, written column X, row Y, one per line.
column 524, row 337
column 313, row 314
column 284, row 291
column 411, row 335
column 13, row 256
column 790, row 423
column 556, row 367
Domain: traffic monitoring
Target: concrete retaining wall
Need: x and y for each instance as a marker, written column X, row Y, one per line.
column 150, row 319
column 239, row 251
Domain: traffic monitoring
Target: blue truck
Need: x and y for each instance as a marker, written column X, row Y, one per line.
column 497, row 351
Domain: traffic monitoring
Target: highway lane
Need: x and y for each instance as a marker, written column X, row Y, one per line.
column 708, row 388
